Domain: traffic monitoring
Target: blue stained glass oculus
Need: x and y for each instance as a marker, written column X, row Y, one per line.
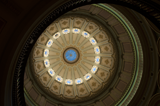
column 94, row 69
column 46, row 62
column 59, row 79
column 49, row 43
column 97, row 59
column 56, row 35
column 87, row 76
column 97, row 49
column 78, row 81
column 65, row 30
column 85, row 34
column 46, row 52
column 70, row 55
column 76, row 30
column 93, row 40
column 51, row 72
column 68, row 82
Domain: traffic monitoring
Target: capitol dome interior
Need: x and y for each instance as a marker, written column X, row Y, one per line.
column 80, row 53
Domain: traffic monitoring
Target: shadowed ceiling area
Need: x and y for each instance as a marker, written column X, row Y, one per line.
column 80, row 53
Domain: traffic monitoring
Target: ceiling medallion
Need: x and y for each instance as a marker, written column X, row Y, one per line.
column 71, row 55
column 72, row 58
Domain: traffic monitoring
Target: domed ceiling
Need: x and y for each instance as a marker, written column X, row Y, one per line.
column 88, row 56
column 73, row 57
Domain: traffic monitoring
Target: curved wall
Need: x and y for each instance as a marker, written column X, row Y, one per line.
column 18, row 19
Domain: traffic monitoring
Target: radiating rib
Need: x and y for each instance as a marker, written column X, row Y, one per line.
column 91, row 35
column 53, row 78
column 62, row 35
column 79, row 35
column 98, row 65
column 101, row 55
column 71, row 27
column 63, row 84
column 93, row 75
column 54, row 40
column 74, row 85
column 84, row 81
column 44, row 70
column 37, row 59
column 45, row 47
column 98, row 44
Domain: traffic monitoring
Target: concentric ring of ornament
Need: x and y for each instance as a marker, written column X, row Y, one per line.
column 79, row 80
column 74, row 31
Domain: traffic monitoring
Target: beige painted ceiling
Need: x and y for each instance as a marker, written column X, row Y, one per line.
column 103, row 68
